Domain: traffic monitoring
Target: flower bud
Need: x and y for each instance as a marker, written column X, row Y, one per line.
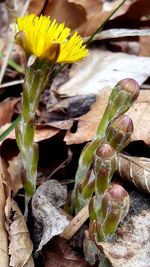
column 119, row 131
column 114, row 206
column 122, row 97
column 103, row 167
column 105, row 152
column 130, row 86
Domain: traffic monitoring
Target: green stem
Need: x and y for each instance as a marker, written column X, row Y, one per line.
column 34, row 83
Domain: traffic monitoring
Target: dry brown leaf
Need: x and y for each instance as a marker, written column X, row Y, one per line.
column 85, row 16
column 20, row 248
column 40, row 134
column 45, row 133
column 7, row 110
column 144, row 46
column 136, row 170
column 11, row 173
column 138, row 9
column 48, row 215
column 98, row 13
column 36, row 7
column 139, row 113
column 70, row 13
column 66, row 257
column 102, row 69
column 131, row 248
column 88, row 123
column 4, row 258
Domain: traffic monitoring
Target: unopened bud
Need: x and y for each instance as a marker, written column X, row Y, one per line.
column 130, row 86
column 105, row 152
column 114, row 206
column 119, row 131
column 103, row 167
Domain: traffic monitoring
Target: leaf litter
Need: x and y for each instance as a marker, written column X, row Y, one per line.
column 85, row 16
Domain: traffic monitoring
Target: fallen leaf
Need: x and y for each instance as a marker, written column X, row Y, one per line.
column 84, row 16
column 102, row 69
column 45, row 133
column 88, row 123
column 7, row 110
column 40, row 134
column 66, row 257
column 36, row 7
column 4, row 258
column 135, row 170
column 139, row 113
column 134, row 238
column 48, row 215
column 135, row 16
column 61, row 113
column 97, row 14
column 20, row 248
column 12, row 173
column 72, row 14
column 144, row 46
column 138, row 9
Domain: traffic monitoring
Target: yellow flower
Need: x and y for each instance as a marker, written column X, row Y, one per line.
column 45, row 39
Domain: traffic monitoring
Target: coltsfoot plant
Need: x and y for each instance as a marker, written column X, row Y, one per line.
column 46, row 44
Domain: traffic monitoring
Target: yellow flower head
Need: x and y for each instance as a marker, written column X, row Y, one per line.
column 45, row 39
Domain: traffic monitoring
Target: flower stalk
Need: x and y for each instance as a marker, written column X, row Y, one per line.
column 122, row 97
column 117, row 136
column 36, row 77
column 46, row 43
column 114, row 129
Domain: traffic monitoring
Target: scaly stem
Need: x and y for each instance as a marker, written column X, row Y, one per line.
column 35, row 80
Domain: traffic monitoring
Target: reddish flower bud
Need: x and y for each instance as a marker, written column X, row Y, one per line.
column 114, row 207
column 103, row 167
column 105, row 152
column 119, row 131
column 130, row 86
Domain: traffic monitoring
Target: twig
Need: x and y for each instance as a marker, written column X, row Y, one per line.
column 76, row 223
column 119, row 33
column 3, row 85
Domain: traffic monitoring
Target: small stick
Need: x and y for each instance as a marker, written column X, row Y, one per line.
column 76, row 223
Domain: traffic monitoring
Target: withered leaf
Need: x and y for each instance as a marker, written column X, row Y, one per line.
column 104, row 69
column 4, row 258
column 136, row 170
column 7, row 110
column 36, row 7
column 40, row 134
column 88, row 123
column 11, row 173
column 47, row 212
column 139, row 113
column 20, row 248
column 66, row 257
column 131, row 247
